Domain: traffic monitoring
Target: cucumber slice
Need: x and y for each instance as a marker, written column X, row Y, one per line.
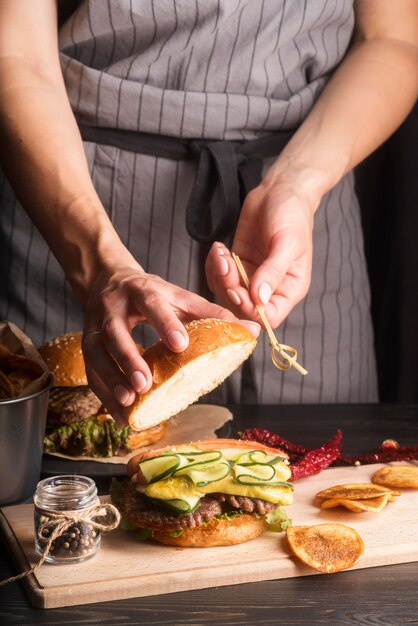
column 254, row 467
column 253, row 456
column 254, row 474
column 279, row 483
column 205, row 473
column 275, row 460
column 195, row 458
column 158, row 467
column 186, row 504
column 259, row 457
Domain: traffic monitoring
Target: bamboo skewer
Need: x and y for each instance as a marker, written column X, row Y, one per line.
column 283, row 356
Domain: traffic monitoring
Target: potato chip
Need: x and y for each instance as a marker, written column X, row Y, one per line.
column 6, row 387
column 4, row 352
column 402, row 476
column 328, row 548
column 371, row 505
column 20, row 380
column 356, row 491
column 16, row 362
column 16, row 373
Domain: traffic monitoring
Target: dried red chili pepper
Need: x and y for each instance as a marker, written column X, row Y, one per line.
column 262, row 435
column 383, row 455
column 318, row 459
column 305, row 461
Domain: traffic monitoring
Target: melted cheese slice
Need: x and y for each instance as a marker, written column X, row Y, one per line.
column 180, row 487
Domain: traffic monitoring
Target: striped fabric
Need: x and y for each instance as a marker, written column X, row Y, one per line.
column 223, row 69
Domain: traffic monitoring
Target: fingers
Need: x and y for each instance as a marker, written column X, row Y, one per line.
column 114, row 386
column 196, row 307
column 253, row 327
column 277, row 285
column 268, row 277
column 119, row 344
column 220, row 267
column 106, row 396
column 160, row 314
column 164, row 313
column 115, row 369
column 224, row 280
column 292, row 289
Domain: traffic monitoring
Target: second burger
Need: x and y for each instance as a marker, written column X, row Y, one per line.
column 77, row 424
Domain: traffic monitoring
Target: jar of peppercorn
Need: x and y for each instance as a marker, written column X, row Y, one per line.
column 64, row 509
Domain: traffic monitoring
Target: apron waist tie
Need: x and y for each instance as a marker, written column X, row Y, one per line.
column 226, row 172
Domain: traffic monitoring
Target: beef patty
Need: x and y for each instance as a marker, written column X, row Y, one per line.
column 71, row 404
column 146, row 514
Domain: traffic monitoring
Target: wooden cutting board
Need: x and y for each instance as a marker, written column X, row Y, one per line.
column 127, row 568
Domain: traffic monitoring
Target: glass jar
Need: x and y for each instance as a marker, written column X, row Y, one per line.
column 72, row 494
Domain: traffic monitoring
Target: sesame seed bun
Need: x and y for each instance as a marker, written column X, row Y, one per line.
column 216, row 348
column 64, row 357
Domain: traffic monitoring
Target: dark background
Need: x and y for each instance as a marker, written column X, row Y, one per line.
column 387, row 186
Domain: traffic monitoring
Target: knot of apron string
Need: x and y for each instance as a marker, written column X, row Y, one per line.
column 226, row 172
column 224, row 177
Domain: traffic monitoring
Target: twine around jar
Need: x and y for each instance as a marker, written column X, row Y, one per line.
column 57, row 522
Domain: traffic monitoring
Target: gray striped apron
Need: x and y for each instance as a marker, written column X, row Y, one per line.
column 229, row 70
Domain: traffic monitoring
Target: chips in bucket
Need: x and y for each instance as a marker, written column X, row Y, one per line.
column 401, row 476
column 327, row 548
column 16, row 373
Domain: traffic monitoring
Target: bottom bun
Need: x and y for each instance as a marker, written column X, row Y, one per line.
column 138, row 439
column 218, row 532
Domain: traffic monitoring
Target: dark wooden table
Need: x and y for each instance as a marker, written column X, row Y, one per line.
column 380, row 596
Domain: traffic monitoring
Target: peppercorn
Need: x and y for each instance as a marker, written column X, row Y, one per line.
column 78, row 540
column 56, row 501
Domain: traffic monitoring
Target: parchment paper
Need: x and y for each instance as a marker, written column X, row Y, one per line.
column 198, row 421
column 17, row 342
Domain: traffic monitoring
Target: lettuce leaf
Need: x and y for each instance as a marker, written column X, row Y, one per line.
column 90, row 437
column 277, row 520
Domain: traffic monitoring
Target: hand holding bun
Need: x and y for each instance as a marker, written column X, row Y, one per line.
column 216, row 348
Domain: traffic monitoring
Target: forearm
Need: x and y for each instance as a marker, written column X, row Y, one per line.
column 368, row 97
column 44, row 160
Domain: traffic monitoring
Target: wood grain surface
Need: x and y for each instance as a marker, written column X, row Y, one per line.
column 126, row 568
column 380, row 596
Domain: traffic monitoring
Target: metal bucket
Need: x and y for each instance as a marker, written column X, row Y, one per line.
column 22, row 430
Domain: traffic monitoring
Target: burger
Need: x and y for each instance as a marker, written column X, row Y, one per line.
column 77, row 423
column 216, row 492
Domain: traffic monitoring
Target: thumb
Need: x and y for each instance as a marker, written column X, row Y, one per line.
column 269, row 275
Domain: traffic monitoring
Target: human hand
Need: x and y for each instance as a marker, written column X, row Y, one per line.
column 119, row 299
column 274, row 242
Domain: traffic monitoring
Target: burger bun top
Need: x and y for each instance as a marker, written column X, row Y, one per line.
column 216, row 348
column 64, row 357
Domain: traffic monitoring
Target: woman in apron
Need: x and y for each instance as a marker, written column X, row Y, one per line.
column 187, row 110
